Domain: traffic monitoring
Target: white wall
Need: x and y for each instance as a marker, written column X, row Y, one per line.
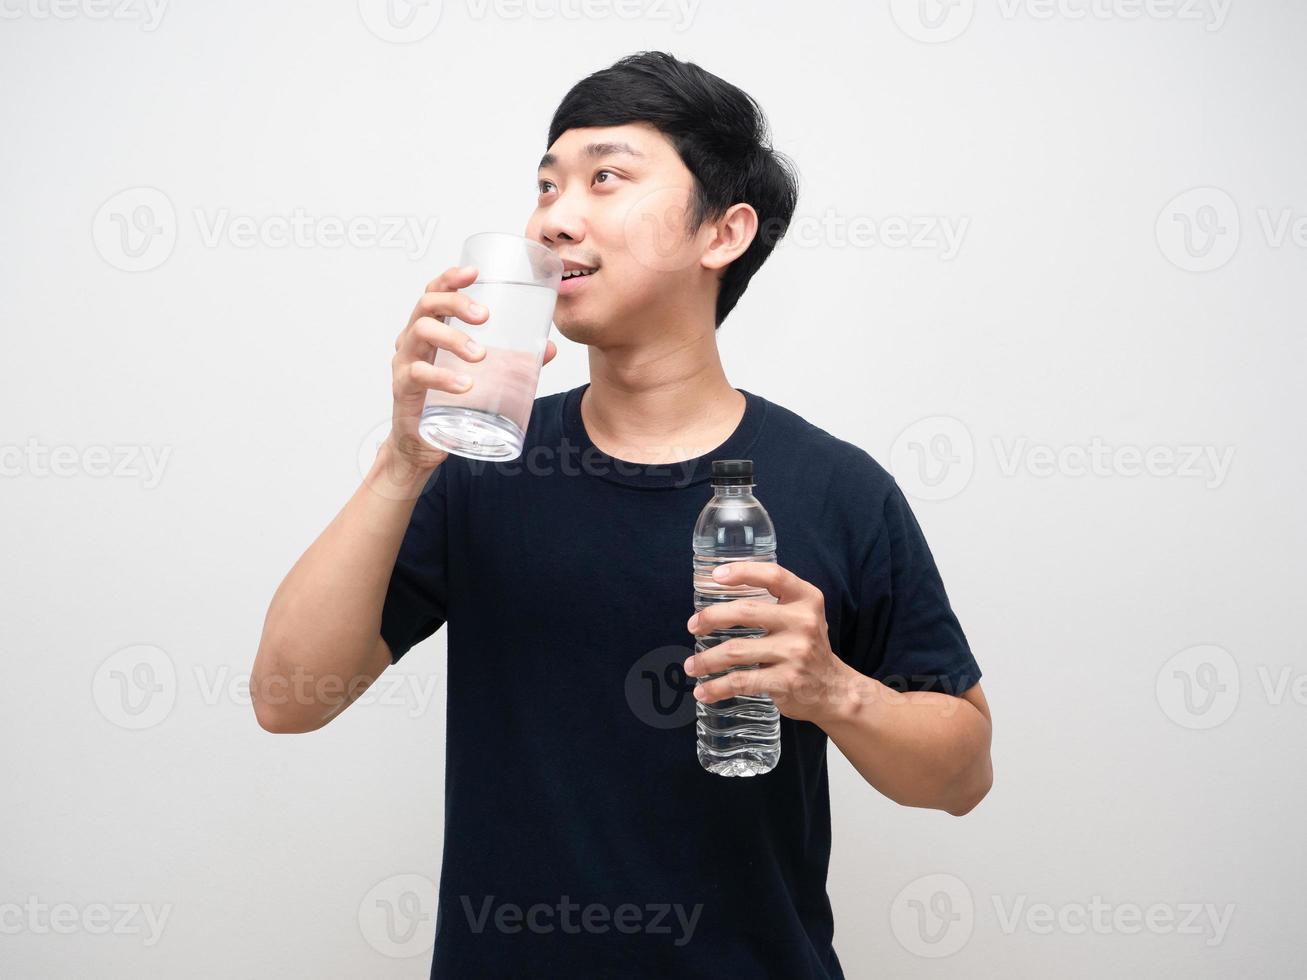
column 1069, row 315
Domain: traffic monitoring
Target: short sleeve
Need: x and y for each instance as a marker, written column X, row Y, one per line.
column 416, row 598
column 906, row 634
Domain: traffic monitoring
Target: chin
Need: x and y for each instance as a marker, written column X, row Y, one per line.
column 577, row 329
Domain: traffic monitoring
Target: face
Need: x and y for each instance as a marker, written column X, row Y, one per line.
column 616, row 200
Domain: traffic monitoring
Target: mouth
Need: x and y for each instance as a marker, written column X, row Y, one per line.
column 574, row 280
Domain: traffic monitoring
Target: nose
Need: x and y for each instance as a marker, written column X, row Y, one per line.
column 562, row 221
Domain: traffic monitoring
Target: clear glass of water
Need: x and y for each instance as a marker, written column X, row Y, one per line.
column 517, row 282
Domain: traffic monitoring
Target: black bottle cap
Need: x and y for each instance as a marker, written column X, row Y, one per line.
column 732, row 472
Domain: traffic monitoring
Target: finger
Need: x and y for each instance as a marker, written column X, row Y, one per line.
column 742, row 651
column 779, row 581
column 550, row 351
column 760, row 612
column 738, row 683
column 455, row 277
column 428, row 334
column 449, row 304
column 441, row 306
column 421, row 376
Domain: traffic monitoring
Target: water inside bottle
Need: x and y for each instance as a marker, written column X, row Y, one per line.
column 737, row 736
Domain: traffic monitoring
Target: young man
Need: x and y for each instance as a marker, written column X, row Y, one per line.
column 582, row 837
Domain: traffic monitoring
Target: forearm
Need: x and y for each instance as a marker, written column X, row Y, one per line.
column 923, row 749
column 319, row 647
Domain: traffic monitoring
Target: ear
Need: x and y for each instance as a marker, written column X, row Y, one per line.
column 733, row 233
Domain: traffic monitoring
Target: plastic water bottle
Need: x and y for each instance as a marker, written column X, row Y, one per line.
column 737, row 736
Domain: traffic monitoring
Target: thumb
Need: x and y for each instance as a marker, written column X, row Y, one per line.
column 551, row 349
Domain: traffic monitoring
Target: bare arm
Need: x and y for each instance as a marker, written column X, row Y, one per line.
column 321, row 645
column 919, row 748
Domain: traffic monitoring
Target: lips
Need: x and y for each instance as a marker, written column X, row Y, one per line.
column 573, row 283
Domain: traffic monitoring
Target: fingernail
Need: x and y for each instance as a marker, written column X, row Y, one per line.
column 694, row 621
column 473, row 347
column 463, row 380
column 721, row 571
column 476, row 309
column 689, row 667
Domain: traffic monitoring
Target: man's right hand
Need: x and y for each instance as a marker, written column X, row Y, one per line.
column 415, row 350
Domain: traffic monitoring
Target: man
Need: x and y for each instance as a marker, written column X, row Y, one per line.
column 582, row 837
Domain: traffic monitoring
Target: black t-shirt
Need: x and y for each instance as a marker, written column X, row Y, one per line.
column 582, row 837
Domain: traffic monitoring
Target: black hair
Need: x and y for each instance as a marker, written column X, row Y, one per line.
column 720, row 133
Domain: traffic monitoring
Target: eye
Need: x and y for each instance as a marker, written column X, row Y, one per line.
column 544, row 185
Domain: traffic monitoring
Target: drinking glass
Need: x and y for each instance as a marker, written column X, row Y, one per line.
column 517, row 282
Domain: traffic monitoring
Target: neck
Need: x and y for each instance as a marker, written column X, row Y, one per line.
column 660, row 404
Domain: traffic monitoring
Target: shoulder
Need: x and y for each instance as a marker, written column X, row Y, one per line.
column 854, row 489
column 824, row 456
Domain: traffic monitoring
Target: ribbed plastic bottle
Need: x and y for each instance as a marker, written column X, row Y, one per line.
column 737, row 736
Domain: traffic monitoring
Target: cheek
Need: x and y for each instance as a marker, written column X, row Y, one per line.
column 653, row 231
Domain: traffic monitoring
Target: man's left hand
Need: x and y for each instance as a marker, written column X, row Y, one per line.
column 798, row 667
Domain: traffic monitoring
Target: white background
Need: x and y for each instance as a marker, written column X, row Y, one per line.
column 1133, row 771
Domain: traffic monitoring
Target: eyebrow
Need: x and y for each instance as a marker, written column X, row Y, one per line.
column 593, row 151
